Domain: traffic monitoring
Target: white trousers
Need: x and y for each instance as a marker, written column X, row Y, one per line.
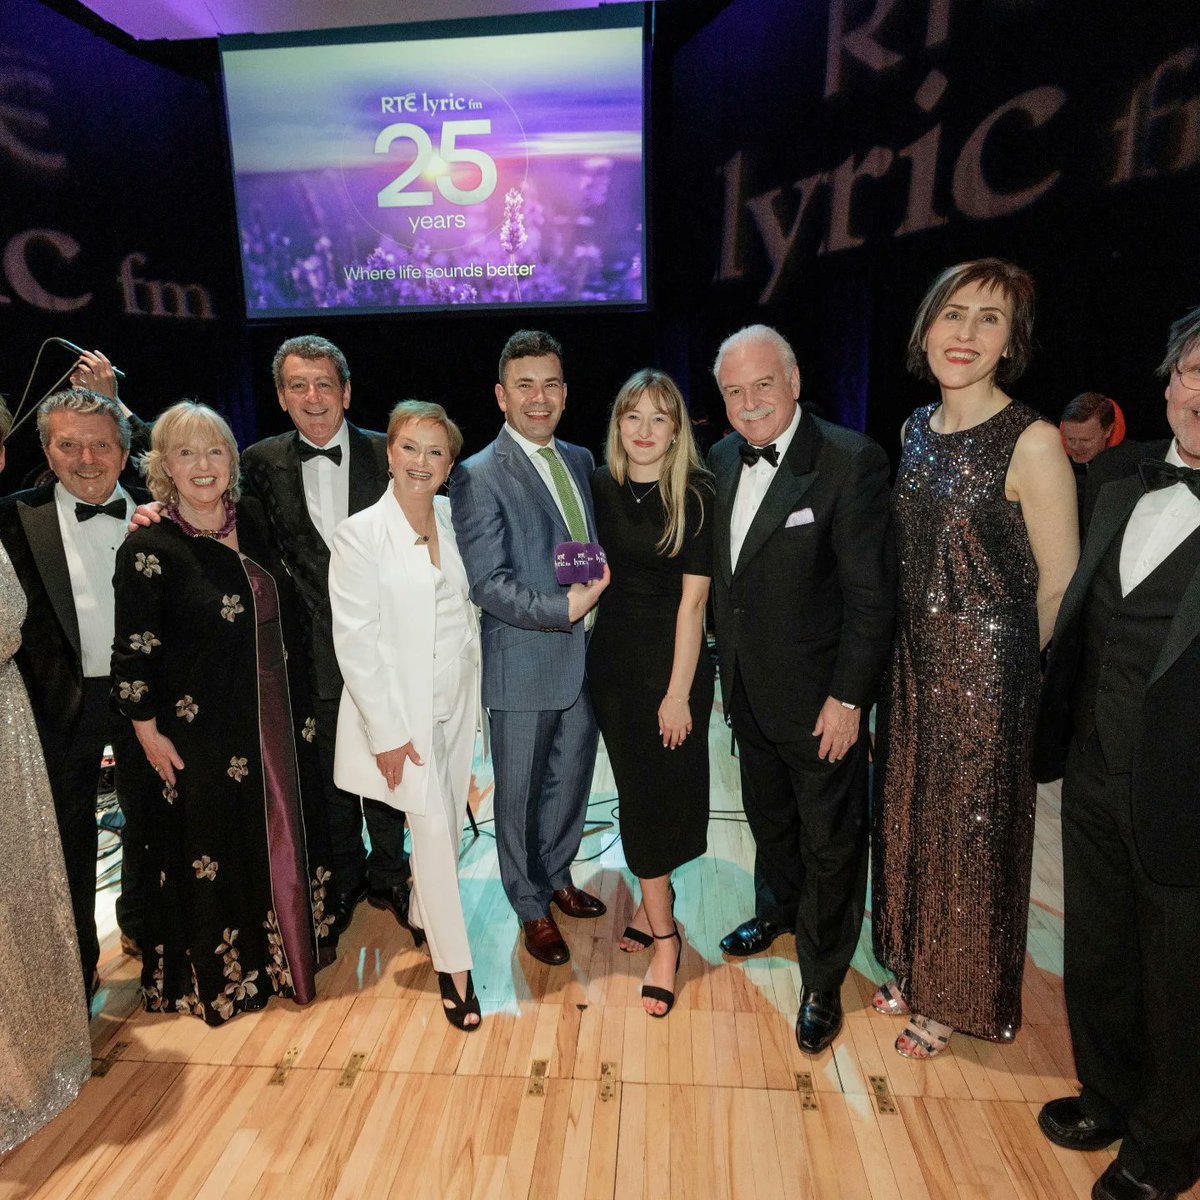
column 435, row 903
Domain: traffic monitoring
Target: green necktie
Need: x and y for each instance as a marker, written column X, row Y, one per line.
column 566, row 495
column 570, row 506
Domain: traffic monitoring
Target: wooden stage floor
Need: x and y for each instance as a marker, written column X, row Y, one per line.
column 568, row 1090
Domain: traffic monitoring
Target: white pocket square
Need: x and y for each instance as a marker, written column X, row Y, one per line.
column 802, row 516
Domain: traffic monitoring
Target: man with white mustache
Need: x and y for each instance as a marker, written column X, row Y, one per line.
column 1120, row 700
column 804, row 594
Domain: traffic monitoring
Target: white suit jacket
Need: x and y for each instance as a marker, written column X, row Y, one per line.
column 381, row 593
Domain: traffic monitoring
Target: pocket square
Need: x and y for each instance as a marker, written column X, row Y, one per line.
column 802, row 516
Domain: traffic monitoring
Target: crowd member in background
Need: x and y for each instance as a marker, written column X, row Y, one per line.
column 512, row 504
column 45, row 1053
column 199, row 668
column 62, row 539
column 1093, row 432
column 985, row 520
column 1120, row 699
column 649, row 671
column 803, row 583
column 407, row 641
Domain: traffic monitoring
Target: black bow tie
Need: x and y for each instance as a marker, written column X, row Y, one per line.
column 751, row 454
column 1156, row 474
column 85, row 512
column 333, row 453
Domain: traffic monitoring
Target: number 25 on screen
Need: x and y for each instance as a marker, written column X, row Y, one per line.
column 395, row 196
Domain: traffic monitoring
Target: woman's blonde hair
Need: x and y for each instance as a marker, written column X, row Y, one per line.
column 681, row 469
column 424, row 410
column 180, row 423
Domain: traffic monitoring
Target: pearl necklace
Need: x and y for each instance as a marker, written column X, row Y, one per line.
column 648, row 492
column 192, row 531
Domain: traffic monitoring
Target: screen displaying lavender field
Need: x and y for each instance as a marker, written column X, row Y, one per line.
column 495, row 169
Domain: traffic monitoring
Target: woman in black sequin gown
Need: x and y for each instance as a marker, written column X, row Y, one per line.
column 986, row 524
column 649, row 672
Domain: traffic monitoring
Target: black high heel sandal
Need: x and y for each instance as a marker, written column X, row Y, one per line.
column 457, row 1008
column 649, row 990
column 417, row 933
column 645, row 940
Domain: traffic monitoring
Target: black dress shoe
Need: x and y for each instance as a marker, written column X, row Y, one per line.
column 394, row 899
column 1117, row 1184
column 750, row 937
column 343, row 904
column 819, row 1020
column 1066, row 1124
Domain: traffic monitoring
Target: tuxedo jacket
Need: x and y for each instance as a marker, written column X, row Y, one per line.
column 271, row 474
column 507, row 525
column 808, row 612
column 1117, row 462
column 50, row 659
column 1165, row 780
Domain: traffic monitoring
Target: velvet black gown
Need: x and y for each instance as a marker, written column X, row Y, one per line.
column 663, row 793
column 238, row 913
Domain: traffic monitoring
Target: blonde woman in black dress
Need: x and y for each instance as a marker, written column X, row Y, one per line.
column 649, row 672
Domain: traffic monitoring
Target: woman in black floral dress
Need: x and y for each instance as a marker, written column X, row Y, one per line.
column 199, row 668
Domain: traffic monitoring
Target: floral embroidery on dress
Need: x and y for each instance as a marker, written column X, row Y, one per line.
column 277, row 968
column 152, row 996
column 170, row 795
column 321, row 876
column 240, row 986
column 231, row 606
column 191, row 1003
column 145, row 642
column 133, row 691
column 206, row 868
column 186, row 708
column 148, row 564
column 237, row 769
column 310, row 729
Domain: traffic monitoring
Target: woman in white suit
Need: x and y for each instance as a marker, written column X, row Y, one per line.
column 407, row 641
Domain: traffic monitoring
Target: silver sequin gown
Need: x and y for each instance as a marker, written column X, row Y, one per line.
column 45, row 1054
column 953, row 822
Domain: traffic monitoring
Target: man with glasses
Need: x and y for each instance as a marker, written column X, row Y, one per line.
column 1120, row 695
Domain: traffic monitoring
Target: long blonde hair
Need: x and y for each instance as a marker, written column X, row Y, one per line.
column 682, row 470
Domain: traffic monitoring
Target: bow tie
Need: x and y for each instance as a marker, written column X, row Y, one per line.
column 751, row 454
column 1156, row 474
column 85, row 512
column 333, row 453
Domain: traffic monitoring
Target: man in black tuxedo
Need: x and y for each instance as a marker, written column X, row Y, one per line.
column 804, row 594
column 308, row 481
column 1121, row 696
column 62, row 538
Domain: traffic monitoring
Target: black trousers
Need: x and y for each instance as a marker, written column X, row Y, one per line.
column 73, row 783
column 1132, row 978
column 810, row 826
column 387, row 864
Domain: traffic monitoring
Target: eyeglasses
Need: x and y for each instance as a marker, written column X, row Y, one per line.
column 1189, row 377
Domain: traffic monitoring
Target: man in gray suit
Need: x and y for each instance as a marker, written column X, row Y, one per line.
column 513, row 503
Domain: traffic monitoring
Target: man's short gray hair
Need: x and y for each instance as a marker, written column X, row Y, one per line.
column 85, row 403
column 755, row 333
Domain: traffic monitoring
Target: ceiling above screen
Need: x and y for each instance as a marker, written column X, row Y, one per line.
column 210, row 18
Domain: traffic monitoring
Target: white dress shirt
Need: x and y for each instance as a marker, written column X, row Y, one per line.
column 752, row 488
column 1160, row 521
column 327, row 485
column 543, row 469
column 91, row 550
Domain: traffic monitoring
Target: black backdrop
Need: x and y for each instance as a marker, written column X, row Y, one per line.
column 814, row 165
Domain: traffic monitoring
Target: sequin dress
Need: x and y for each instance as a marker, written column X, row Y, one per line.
column 952, row 842
column 45, row 1055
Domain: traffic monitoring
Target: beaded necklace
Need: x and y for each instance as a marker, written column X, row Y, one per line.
column 191, row 530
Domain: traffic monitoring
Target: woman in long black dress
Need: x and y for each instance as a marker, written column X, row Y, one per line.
column 199, row 668
column 650, row 676
column 985, row 519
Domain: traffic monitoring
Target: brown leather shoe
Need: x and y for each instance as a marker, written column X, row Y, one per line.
column 130, row 947
column 575, row 903
column 544, row 942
